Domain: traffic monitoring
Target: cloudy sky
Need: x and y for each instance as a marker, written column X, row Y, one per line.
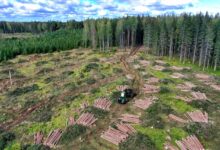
column 62, row 10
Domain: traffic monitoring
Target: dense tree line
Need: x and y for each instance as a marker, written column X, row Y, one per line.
column 187, row 36
column 37, row 27
column 45, row 43
column 190, row 37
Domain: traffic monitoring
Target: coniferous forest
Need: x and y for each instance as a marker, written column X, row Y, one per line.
column 194, row 38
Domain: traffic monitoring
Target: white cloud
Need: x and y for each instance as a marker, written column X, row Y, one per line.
column 177, row 2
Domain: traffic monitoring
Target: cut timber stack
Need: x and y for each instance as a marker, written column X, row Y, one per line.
column 216, row 87
column 177, row 75
column 177, row 68
column 130, row 118
column 160, row 62
column 144, row 104
column 53, row 138
column 38, row 138
column 190, row 143
column 144, row 63
column 186, row 87
column 206, row 79
column 150, row 89
column 152, row 80
column 198, row 116
column 199, row 96
column 177, row 119
column 158, row 68
column 86, row 119
column 114, row 136
column 103, row 103
column 126, row 128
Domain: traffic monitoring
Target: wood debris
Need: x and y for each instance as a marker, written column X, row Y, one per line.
column 153, row 80
column 130, row 118
column 144, row 63
column 190, row 143
column 197, row 116
column 177, row 68
column 71, row 121
column 203, row 77
column 160, row 62
column 177, row 75
column 144, row 104
column 122, row 87
column 186, row 86
column 84, row 105
column 86, row 119
column 103, row 103
column 148, row 89
column 130, row 76
column 186, row 99
column 126, row 128
column 53, row 138
column 38, row 138
column 137, row 66
column 158, row 68
column 199, row 96
column 114, row 136
column 169, row 146
column 215, row 87
column 176, row 118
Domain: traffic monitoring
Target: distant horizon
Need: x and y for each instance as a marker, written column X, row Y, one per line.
column 79, row 10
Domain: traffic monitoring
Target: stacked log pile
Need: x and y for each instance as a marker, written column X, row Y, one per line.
column 38, row 138
column 103, row 103
column 130, row 118
column 186, row 87
column 206, row 79
column 203, row 77
column 197, row 116
column 160, row 62
column 144, row 63
column 215, row 87
column 144, row 104
column 177, row 119
column 177, row 75
column 152, row 80
column 148, row 89
column 53, row 138
column 86, row 119
column 177, row 68
column 199, row 96
column 126, row 128
column 114, row 136
column 158, row 68
column 121, row 87
column 190, row 143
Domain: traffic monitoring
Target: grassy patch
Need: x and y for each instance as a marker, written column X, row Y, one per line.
column 138, row 142
column 158, row 136
column 71, row 133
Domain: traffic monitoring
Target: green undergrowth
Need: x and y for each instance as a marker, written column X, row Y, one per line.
column 158, row 136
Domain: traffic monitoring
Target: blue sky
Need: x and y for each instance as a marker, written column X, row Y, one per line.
column 62, row 10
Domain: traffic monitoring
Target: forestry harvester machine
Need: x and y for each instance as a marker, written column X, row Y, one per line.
column 126, row 95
